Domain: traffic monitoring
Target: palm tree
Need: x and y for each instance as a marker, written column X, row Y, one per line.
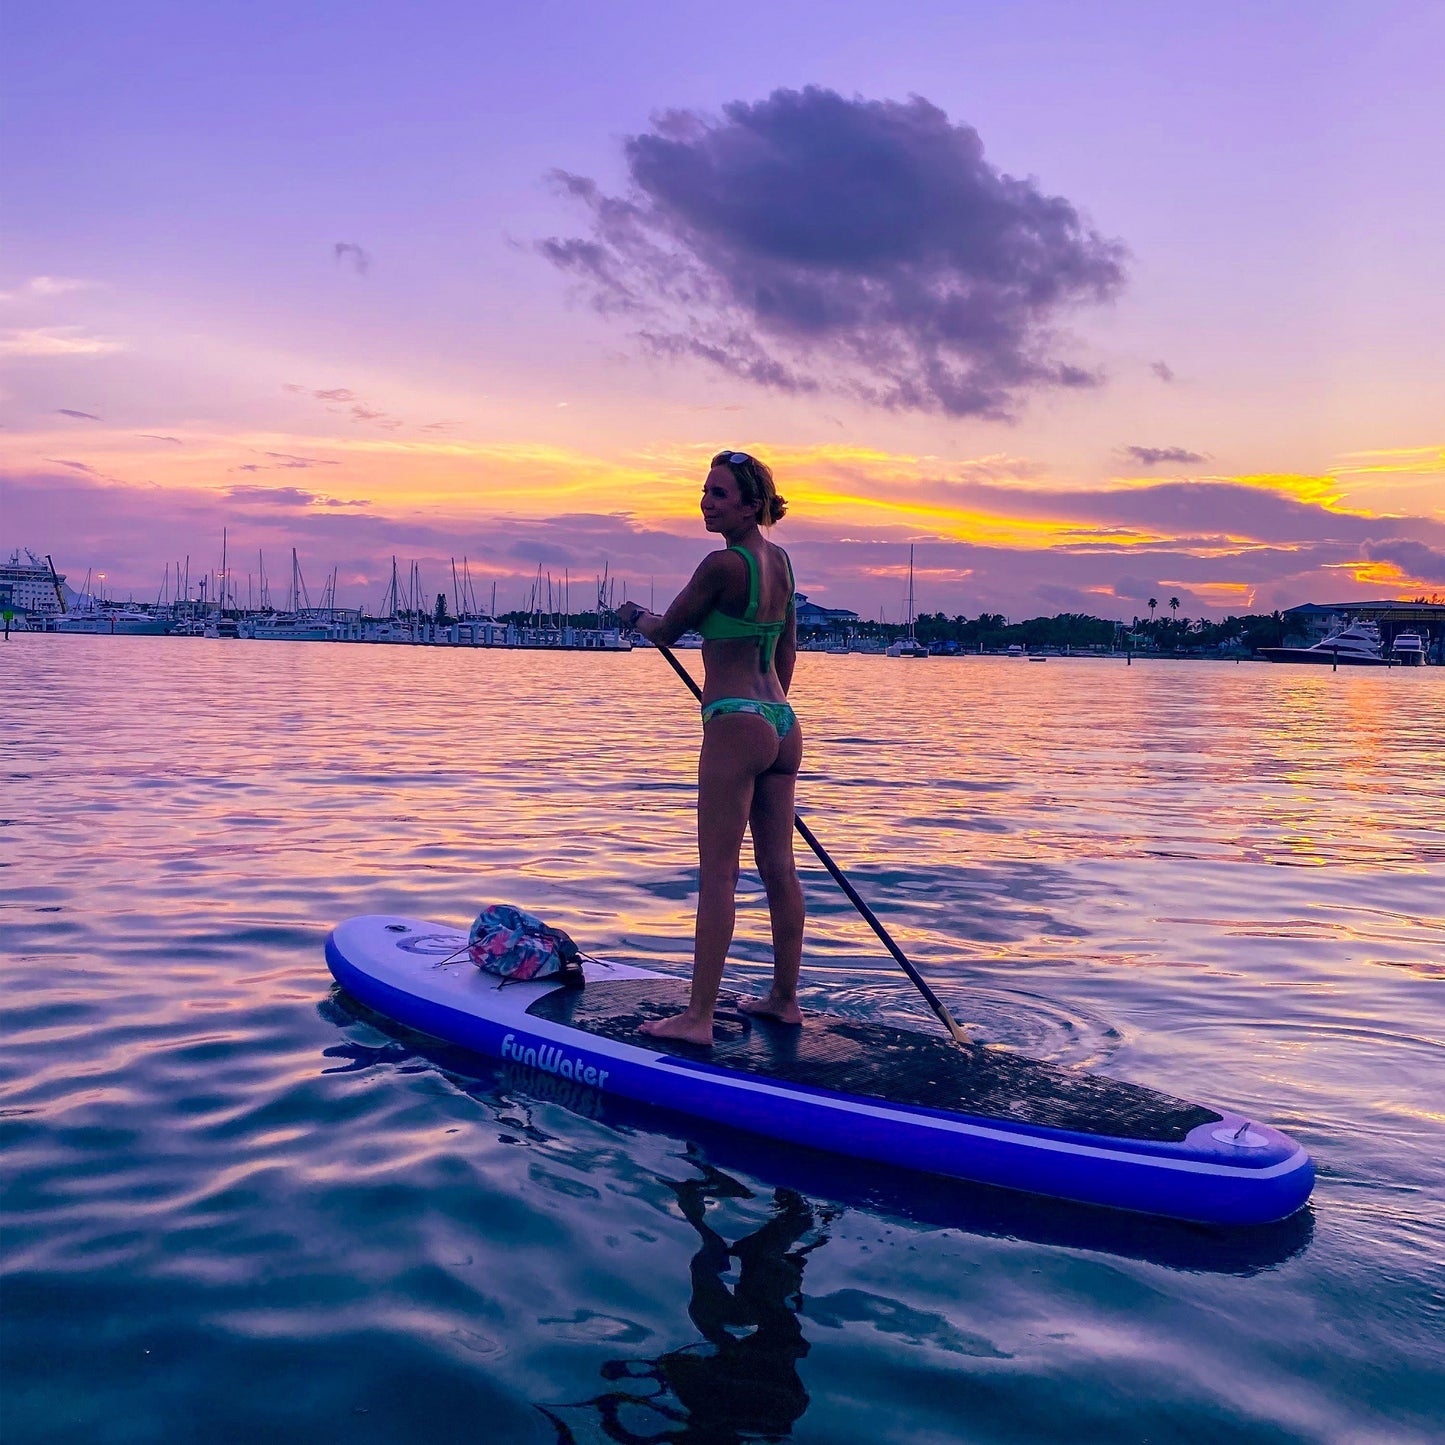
column 1153, row 603
column 1174, row 606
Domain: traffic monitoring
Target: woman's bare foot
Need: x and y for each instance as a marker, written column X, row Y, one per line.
column 681, row 1026
column 783, row 1011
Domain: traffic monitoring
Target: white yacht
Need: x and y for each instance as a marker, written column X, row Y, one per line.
column 1409, row 649
column 1357, row 645
column 112, row 622
column 289, row 627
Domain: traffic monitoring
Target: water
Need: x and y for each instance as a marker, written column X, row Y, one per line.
column 236, row 1205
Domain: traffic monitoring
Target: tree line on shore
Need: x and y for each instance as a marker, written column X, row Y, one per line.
column 1080, row 632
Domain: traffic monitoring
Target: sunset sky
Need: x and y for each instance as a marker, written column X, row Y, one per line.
column 1091, row 303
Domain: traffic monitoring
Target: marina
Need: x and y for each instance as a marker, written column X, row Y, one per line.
column 1388, row 634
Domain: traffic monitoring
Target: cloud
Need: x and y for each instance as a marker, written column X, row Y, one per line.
column 136, row 527
column 53, row 341
column 811, row 242
column 547, row 553
column 1153, row 456
column 287, row 497
column 1418, row 562
column 1162, row 370
column 1135, row 589
column 285, row 459
column 74, row 466
column 360, row 411
column 78, row 415
column 346, row 251
column 42, row 286
column 157, row 437
column 271, row 496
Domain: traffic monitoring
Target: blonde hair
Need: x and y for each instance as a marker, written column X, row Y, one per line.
column 755, row 483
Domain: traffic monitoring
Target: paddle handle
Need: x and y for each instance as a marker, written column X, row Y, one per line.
column 840, row 878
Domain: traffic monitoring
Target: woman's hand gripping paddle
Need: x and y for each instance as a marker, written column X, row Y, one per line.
column 869, row 917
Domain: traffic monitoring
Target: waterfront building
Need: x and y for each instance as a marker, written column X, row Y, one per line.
column 809, row 614
column 1315, row 620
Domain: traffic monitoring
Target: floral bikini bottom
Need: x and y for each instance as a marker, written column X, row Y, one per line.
column 779, row 714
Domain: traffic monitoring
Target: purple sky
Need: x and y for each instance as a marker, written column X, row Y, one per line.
column 1088, row 302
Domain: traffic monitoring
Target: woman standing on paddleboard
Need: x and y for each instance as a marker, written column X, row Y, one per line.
column 741, row 600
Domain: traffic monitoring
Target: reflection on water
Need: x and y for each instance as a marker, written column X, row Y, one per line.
column 740, row 1381
column 1225, row 882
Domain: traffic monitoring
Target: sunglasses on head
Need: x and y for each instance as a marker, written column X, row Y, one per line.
column 738, row 458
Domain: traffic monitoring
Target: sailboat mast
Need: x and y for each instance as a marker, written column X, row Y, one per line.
column 910, row 591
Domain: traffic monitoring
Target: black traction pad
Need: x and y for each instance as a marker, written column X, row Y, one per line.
column 877, row 1061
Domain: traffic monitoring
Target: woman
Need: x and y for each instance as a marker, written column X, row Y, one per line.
column 741, row 600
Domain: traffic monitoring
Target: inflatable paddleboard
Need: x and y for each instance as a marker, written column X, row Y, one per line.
column 902, row 1099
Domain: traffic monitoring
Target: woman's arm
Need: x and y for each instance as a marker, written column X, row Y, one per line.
column 688, row 608
column 786, row 653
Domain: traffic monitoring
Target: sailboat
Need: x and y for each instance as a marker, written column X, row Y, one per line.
column 908, row 645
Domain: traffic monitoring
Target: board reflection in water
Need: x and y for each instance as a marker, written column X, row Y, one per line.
column 740, row 1381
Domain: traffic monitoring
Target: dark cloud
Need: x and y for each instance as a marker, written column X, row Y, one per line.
column 339, row 393
column 1067, row 599
column 78, row 415
column 810, row 242
column 1162, row 370
column 1414, row 559
column 74, row 466
column 1135, row 589
column 352, row 254
column 547, row 553
column 1153, row 456
column 156, row 437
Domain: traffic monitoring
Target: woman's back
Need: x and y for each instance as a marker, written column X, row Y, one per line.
column 749, row 618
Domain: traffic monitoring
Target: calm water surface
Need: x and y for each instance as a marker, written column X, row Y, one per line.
column 236, row 1206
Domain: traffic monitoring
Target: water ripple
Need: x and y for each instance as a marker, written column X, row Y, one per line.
column 1222, row 882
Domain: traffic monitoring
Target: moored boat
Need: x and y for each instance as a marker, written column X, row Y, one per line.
column 1357, row 645
column 1408, row 649
column 908, row 645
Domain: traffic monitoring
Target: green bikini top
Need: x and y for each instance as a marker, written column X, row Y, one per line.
column 718, row 625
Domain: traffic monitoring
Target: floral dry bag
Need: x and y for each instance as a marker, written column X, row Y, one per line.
column 518, row 946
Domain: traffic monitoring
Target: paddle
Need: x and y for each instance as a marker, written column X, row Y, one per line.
column 869, row 917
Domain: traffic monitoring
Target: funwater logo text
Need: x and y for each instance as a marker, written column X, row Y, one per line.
column 553, row 1060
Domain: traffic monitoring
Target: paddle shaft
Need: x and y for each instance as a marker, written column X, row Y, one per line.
column 840, row 878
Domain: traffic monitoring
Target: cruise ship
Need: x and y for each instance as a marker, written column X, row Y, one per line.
column 31, row 588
